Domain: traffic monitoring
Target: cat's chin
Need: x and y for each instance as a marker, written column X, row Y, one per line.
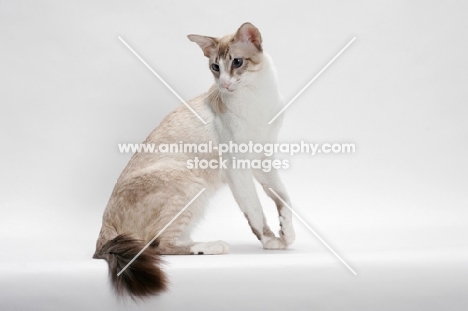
column 227, row 91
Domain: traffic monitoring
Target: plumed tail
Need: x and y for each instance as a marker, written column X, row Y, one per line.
column 143, row 277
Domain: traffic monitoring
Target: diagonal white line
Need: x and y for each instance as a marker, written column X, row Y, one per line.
column 161, row 79
column 162, row 230
column 315, row 233
column 313, row 79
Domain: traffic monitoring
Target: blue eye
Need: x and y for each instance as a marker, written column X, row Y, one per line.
column 215, row 67
column 237, row 62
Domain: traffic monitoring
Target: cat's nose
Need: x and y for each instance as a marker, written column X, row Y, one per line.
column 226, row 84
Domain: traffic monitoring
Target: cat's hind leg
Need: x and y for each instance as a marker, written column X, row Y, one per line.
column 175, row 239
column 193, row 248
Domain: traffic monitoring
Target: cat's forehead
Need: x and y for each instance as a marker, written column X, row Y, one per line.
column 225, row 47
column 228, row 48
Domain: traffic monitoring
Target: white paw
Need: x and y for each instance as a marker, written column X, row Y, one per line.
column 288, row 236
column 287, row 233
column 274, row 243
column 210, row 248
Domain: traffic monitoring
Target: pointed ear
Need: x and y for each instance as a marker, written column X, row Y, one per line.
column 249, row 33
column 207, row 44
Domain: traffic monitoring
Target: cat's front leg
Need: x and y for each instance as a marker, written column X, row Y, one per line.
column 243, row 188
column 272, row 180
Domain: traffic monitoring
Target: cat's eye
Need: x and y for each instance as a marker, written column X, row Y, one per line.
column 215, row 67
column 237, row 62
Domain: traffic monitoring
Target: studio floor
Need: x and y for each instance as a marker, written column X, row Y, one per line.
column 250, row 278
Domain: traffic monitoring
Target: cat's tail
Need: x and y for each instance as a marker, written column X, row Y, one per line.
column 143, row 277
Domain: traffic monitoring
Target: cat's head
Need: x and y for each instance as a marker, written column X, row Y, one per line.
column 233, row 59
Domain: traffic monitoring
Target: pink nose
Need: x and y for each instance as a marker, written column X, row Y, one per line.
column 225, row 85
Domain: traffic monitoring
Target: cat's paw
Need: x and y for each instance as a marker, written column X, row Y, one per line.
column 210, row 248
column 275, row 243
column 287, row 233
column 288, row 236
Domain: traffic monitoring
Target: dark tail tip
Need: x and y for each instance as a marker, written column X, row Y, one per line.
column 143, row 277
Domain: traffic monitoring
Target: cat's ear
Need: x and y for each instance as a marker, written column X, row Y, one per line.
column 207, row 44
column 249, row 33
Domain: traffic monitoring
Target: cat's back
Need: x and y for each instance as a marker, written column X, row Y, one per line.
column 183, row 125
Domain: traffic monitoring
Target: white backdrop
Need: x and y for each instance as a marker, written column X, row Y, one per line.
column 70, row 91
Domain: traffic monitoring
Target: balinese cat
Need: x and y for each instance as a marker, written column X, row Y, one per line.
column 154, row 187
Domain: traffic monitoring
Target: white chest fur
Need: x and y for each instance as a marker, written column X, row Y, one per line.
column 250, row 109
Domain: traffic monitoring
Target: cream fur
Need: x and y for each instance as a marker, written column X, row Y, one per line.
column 154, row 187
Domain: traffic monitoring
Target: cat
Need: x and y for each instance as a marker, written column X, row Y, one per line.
column 154, row 187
